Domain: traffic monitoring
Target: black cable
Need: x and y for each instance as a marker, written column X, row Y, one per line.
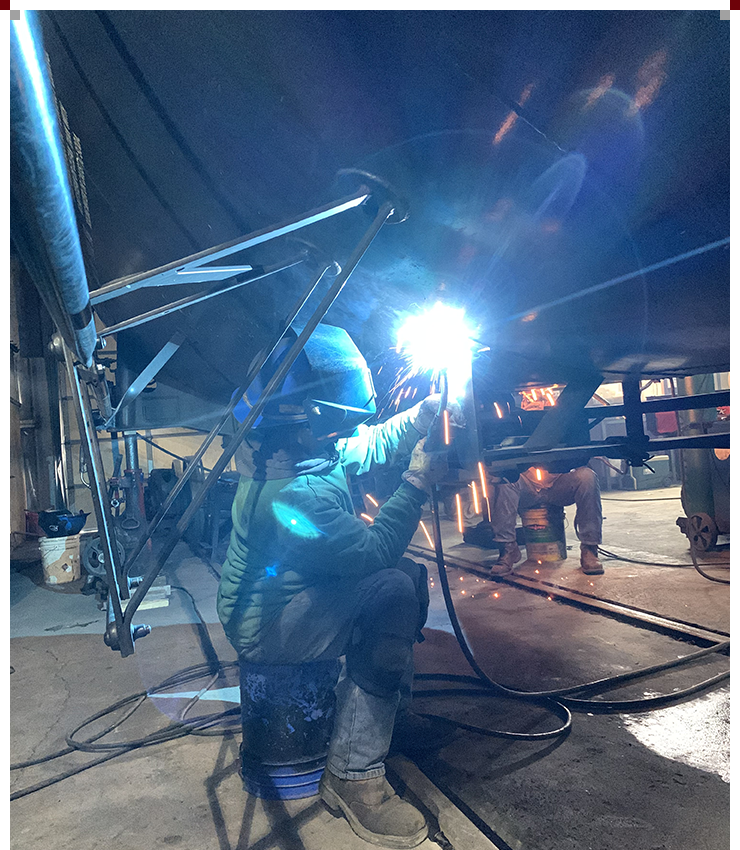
column 176, row 729
column 698, row 568
column 192, row 241
column 612, row 556
column 551, row 705
column 165, row 451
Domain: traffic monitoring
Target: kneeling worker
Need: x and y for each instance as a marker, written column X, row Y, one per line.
column 306, row 580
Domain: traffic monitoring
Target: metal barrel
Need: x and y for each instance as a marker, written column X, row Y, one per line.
column 544, row 533
column 287, row 718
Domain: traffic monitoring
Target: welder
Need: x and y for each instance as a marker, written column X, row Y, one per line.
column 306, row 580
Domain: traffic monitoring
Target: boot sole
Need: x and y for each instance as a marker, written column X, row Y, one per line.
column 338, row 807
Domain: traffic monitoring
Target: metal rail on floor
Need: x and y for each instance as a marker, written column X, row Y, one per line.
column 626, row 613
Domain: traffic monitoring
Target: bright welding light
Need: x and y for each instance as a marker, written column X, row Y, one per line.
column 439, row 341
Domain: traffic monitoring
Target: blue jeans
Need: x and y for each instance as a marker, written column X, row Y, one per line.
column 373, row 623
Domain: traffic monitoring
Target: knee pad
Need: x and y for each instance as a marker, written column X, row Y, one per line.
column 377, row 663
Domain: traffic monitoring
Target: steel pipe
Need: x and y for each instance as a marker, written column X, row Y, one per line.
column 188, row 301
column 260, row 361
column 43, row 224
column 167, row 273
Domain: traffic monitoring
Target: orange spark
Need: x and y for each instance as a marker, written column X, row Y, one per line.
column 459, row 513
column 368, row 518
column 426, row 534
column 498, row 410
column 372, row 500
column 476, row 503
column 446, row 418
column 482, row 473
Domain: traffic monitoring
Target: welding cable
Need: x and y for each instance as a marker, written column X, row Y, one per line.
column 700, row 571
column 176, row 729
column 67, row 750
column 612, row 556
column 551, row 705
column 560, row 696
column 165, row 451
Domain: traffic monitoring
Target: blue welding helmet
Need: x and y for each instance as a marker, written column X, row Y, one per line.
column 329, row 386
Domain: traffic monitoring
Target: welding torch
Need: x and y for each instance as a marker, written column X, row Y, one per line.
column 435, row 442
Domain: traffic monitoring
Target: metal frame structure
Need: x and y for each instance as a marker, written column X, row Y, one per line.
column 45, row 233
column 121, row 632
column 548, row 443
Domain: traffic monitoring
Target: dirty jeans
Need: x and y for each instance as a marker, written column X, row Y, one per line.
column 579, row 486
column 373, row 623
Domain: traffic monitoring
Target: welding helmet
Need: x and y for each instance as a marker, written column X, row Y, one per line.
column 329, row 386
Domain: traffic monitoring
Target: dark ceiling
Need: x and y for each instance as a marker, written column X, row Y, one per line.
column 542, row 153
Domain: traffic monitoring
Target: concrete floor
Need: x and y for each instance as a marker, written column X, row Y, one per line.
column 655, row 780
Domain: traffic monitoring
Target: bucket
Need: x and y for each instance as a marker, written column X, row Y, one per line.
column 544, row 534
column 287, row 717
column 60, row 558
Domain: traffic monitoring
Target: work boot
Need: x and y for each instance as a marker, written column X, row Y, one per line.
column 504, row 564
column 590, row 563
column 414, row 735
column 374, row 810
column 480, row 535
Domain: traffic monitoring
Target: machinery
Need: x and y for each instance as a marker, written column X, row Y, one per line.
column 575, row 270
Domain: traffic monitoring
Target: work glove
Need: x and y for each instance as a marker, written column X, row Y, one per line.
column 425, row 468
column 427, row 410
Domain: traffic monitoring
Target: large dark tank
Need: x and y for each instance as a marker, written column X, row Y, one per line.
column 542, row 154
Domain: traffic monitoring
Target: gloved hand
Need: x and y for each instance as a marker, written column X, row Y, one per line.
column 428, row 408
column 425, row 468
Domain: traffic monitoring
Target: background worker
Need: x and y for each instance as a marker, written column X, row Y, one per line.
column 306, row 580
column 536, row 487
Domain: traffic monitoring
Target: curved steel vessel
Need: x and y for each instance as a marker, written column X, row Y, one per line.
column 543, row 155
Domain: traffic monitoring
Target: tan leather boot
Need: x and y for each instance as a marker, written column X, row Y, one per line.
column 374, row 810
column 590, row 563
column 510, row 555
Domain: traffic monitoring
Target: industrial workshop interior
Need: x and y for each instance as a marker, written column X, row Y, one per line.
column 369, row 430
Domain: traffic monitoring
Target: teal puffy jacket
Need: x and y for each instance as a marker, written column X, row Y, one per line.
column 299, row 531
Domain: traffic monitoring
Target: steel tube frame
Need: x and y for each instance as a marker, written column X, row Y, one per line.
column 124, row 285
column 188, row 301
column 508, row 458
column 721, row 398
column 261, row 359
column 383, row 214
column 101, row 505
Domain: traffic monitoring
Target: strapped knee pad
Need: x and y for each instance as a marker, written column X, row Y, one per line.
column 376, row 663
